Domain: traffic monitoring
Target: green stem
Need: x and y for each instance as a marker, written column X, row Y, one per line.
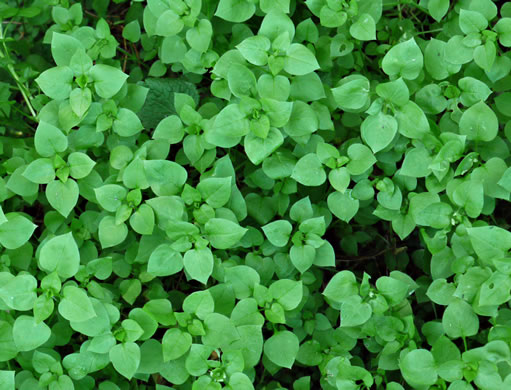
column 262, row 376
column 24, row 114
column 465, row 343
column 24, row 92
column 434, row 310
column 416, row 18
column 430, row 31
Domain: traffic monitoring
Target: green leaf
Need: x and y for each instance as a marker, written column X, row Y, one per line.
column 198, row 263
column 364, row 29
column 132, row 328
column 80, row 100
column 270, row 5
column 110, row 196
column 159, row 103
column 75, row 305
column 193, row 147
column 110, row 233
column 441, row 292
column 418, row 368
column 7, row 379
column 276, row 24
column 278, row 232
column 16, row 231
column 173, row 49
column 435, row 59
column 40, row 171
column 28, row 334
column 394, row 290
column 175, row 343
column 257, row 149
column 489, row 242
column 412, row 121
column 80, row 62
column 470, row 195
column 56, row 83
column 130, row 289
column 299, row 60
column 361, row 159
column 107, row 80
column 354, row 312
column 125, row 358
column 308, row 88
column 168, row 24
column 505, row 180
column 235, row 11
column 229, row 126
column 341, row 286
column 200, row 303
column 343, row 205
column 127, row 123
column 131, row 31
column 60, row 254
column 216, row 191
column 199, row 37
column 240, row 381
column 416, row 163
column 456, row 52
column 19, row 293
column 170, row 129
column 142, row 220
column 241, row 80
column 325, row 255
column 437, row 215
column 473, row 91
column 255, row 49
column 273, row 87
column 19, row 185
column 459, row 320
column 281, row 348
column 339, row 179
column 472, row 22
column 62, row 196
column 165, row 177
column 303, row 120
column 353, row 93
column 378, row 131
column 438, row 9
column 220, row 331
column 332, row 18
column 479, row 123
column 309, row 171
column 63, row 47
column 223, row 234
column 80, row 165
column 243, row 280
column 287, row 292
column 3, row 219
column 302, row 257
column 49, row 140
column 495, row 291
column 395, row 92
column 485, row 55
column 404, row 59
column 503, row 28
column 164, row 261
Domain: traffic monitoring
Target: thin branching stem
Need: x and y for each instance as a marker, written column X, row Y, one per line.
column 24, row 91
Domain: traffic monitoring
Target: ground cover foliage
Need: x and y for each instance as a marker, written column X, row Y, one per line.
column 255, row 194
